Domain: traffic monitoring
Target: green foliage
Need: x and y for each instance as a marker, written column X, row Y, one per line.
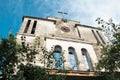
column 31, row 72
column 110, row 58
column 8, row 56
column 108, row 27
column 47, row 58
column 112, row 76
column 17, row 62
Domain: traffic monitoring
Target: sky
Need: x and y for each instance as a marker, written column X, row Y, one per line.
column 84, row 11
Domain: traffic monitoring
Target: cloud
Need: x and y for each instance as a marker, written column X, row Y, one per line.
column 86, row 11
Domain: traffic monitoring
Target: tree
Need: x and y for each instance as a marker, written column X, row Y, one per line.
column 8, row 56
column 13, row 56
column 110, row 57
column 31, row 72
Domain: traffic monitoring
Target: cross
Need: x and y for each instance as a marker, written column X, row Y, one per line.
column 62, row 13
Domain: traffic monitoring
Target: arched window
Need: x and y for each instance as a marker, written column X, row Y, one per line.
column 87, row 60
column 58, row 57
column 73, row 60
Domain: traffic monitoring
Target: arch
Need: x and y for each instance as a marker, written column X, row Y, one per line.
column 73, row 59
column 58, row 48
column 87, row 59
column 58, row 57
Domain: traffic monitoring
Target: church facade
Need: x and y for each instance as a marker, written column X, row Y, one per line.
column 76, row 46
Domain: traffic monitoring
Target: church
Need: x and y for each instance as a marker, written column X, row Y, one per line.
column 76, row 46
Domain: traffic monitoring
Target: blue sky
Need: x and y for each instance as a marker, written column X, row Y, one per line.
column 84, row 11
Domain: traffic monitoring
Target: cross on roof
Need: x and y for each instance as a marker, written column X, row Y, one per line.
column 62, row 13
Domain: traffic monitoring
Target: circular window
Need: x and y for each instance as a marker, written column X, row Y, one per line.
column 65, row 29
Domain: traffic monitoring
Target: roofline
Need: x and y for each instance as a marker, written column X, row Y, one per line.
column 55, row 21
column 38, row 18
column 65, row 19
column 86, row 26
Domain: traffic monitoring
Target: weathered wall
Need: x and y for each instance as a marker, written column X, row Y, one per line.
column 50, row 34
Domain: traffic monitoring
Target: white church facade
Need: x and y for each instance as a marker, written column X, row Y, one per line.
column 76, row 46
